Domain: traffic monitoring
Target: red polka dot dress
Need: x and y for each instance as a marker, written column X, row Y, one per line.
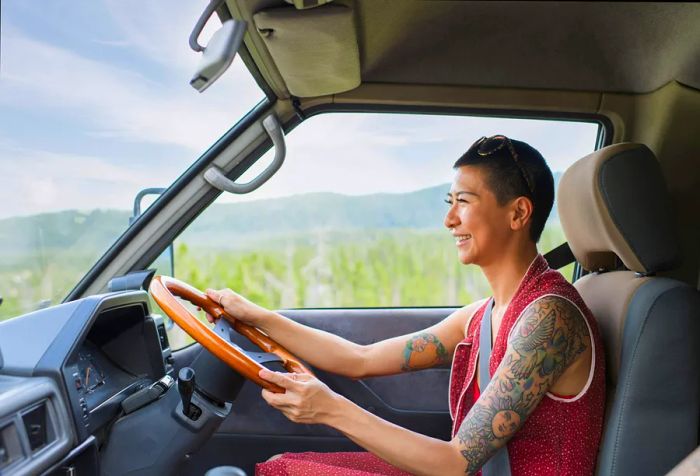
column 562, row 435
column 328, row 464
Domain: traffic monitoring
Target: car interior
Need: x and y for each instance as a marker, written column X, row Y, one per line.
column 92, row 385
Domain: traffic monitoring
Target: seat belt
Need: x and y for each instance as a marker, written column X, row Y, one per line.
column 499, row 464
column 560, row 256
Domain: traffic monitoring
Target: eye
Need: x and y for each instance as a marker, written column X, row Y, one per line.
column 448, row 201
column 461, row 200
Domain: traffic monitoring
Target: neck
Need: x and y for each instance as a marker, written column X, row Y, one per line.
column 505, row 274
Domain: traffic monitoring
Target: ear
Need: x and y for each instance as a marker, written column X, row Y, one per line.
column 521, row 213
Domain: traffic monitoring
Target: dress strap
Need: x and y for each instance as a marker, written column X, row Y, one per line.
column 499, row 464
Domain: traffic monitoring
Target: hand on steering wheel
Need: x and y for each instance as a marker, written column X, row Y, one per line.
column 164, row 290
column 233, row 304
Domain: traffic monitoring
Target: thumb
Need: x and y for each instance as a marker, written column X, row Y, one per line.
column 213, row 295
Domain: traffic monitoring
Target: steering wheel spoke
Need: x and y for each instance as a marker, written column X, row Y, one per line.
column 165, row 289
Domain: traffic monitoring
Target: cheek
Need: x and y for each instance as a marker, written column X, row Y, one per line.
column 487, row 227
column 468, row 216
column 476, row 224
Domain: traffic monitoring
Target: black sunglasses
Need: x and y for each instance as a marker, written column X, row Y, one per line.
column 490, row 145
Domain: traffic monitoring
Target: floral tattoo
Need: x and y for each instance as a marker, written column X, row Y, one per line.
column 423, row 351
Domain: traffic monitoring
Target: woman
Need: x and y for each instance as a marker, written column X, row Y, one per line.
column 542, row 411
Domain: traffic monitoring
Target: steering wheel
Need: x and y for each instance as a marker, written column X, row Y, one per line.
column 164, row 290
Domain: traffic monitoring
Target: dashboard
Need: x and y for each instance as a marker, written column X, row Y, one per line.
column 64, row 373
column 125, row 350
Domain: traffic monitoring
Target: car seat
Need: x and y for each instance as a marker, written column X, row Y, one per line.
column 615, row 209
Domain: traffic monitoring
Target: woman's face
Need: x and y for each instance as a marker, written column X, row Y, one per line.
column 480, row 226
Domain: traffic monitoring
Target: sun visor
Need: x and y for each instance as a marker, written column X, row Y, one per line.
column 314, row 50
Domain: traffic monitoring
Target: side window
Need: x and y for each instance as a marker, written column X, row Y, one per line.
column 354, row 218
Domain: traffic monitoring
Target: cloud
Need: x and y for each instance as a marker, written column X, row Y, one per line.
column 43, row 181
column 355, row 153
column 115, row 43
column 122, row 103
column 161, row 32
column 150, row 101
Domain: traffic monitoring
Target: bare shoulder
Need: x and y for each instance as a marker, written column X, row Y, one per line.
column 465, row 314
column 558, row 309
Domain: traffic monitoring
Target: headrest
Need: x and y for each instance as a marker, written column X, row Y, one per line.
column 615, row 202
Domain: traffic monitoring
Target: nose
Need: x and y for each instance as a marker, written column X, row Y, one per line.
column 451, row 218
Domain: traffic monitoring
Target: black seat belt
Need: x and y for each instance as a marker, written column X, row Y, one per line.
column 560, row 256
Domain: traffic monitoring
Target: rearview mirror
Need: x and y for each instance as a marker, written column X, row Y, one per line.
column 169, row 254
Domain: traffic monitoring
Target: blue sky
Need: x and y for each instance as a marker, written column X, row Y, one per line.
column 95, row 104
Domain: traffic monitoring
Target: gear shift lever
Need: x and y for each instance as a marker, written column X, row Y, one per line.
column 185, row 386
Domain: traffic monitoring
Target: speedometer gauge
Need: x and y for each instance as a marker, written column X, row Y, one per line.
column 91, row 375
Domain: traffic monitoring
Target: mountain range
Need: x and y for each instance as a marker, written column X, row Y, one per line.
column 229, row 224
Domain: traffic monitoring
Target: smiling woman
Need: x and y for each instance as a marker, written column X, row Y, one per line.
column 365, row 229
column 90, row 116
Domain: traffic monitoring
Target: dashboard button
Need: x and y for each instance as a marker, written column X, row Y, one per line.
column 78, row 382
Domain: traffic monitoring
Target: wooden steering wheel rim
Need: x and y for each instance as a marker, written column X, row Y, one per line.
column 164, row 290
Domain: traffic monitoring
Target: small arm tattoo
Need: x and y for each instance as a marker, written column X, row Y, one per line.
column 550, row 335
column 423, row 351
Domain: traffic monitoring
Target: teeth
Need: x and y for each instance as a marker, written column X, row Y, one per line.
column 460, row 238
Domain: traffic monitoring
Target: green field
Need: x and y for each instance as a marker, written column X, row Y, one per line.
column 307, row 250
column 374, row 268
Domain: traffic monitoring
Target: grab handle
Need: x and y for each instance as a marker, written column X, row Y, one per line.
column 216, row 177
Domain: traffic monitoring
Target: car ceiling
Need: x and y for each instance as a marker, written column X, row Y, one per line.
column 576, row 46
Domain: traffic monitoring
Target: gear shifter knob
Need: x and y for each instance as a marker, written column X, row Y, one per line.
column 185, row 386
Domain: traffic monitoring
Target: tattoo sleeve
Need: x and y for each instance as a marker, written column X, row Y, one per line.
column 423, row 351
column 549, row 336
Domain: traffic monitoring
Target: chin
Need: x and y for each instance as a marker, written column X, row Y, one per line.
column 465, row 257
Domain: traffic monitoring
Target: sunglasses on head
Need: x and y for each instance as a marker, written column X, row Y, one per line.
column 490, row 145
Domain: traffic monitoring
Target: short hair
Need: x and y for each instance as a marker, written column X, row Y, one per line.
column 505, row 179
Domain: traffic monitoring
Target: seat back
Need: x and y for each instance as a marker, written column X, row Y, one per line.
column 614, row 206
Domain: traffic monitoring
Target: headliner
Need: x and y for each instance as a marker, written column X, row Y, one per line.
column 581, row 46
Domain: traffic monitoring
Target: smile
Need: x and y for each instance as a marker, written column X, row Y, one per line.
column 461, row 239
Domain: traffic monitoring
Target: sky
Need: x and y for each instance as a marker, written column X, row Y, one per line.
column 95, row 105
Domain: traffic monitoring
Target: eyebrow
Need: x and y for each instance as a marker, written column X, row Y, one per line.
column 461, row 192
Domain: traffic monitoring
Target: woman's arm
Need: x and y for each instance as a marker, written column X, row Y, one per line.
column 308, row 400
column 549, row 337
column 432, row 347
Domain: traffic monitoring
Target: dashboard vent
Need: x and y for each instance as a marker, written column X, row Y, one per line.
column 38, row 427
column 10, row 446
column 163, row 336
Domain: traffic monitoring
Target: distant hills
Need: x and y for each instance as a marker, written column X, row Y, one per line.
column 230, row 225
column 316, row 212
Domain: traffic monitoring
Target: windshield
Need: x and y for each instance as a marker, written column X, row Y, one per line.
column 95, row 105
column 355, row 216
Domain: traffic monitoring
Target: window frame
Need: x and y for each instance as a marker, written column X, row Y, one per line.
column 605, row 135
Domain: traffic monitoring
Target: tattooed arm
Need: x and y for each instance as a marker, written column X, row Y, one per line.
column 550, row 336
column 432, row 347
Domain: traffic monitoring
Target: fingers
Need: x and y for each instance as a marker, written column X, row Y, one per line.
column 276, row 400
column 280, row 401
column 209, row 317
column 216, row 296
column 302, row 399
column 286, row 381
